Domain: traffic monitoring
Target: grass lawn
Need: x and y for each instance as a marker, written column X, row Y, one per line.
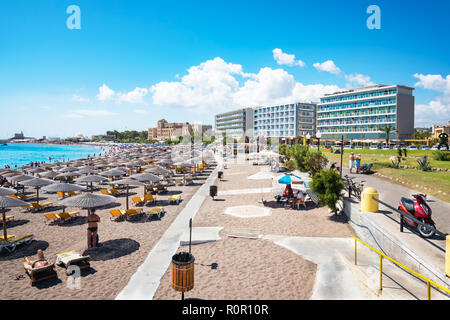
column 427, row 182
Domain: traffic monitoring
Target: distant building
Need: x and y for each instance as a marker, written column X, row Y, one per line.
column 438, row 129
column 21, row 136
column 285, row 121
column 165, row 130
column 362, row 113
column 235, row 123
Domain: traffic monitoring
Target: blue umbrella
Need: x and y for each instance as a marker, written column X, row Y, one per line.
column 287, row 179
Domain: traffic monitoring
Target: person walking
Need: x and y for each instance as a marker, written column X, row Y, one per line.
column 351, row 163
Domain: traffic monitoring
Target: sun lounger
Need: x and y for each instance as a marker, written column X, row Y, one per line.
column 51, row 218
column 178, row 181
column 39, row 206
column 114, row 191
column 72, row 258
column 155, row 211
column 14, row 241
column 176, row 198
column 7, row 219
column 72, row 193
column 132, row 212
column 67, row 216
column 138, row 201
column 116, row 215
column 42, row 273
column 104, row 191
column 24, row 197
column 149, row 198
column 312, row 197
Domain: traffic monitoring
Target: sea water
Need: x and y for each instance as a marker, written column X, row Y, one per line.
column 22, row 154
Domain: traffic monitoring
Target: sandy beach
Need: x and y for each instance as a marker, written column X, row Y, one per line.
column 253, row 268
column 123, row 247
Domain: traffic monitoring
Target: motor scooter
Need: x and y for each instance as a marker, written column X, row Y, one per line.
column 419, row 209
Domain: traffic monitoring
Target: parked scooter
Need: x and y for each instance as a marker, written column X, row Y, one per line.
column 420, row 210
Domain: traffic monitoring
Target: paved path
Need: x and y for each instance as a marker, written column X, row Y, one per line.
column 144, row 283
column 391, row 194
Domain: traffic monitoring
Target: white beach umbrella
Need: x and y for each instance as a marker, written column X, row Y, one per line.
column 37, row 183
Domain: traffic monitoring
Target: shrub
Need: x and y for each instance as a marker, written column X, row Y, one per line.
column 328, row 186
column 441, row 155
column 315, row 162
column 299, row 154
column 424, row 164
column 395, row 161
column 290, row 165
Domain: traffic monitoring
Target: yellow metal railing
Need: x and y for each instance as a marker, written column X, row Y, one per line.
column 382, row 255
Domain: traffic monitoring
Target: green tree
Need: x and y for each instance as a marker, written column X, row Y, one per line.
column 299, row 154
column 387, row 129
column 328, row 186
column 315, row 162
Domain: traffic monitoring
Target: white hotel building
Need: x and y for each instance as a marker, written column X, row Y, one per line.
column 363, row 113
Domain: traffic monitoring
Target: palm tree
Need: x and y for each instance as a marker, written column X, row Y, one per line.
column 387, row 131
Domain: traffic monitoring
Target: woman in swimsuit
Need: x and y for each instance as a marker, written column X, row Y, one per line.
column 40, row 262
column 92, row 221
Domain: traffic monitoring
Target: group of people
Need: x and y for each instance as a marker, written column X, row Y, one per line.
column 296, row 197
column 354, row 162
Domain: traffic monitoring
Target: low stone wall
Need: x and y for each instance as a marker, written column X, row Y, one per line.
column 379, row 238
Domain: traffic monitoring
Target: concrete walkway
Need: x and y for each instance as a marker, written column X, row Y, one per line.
column 144, row 283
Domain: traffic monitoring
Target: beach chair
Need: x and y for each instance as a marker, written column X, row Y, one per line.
column 176, row 198
column 104, row 191
column 12, row 242
column 39, row 206
column 67, row 216
column 300, row 202
column 72, row 258
column 72, row 193
column 60, row 195
column 114, row 191
column 178, row 181
column 116, row 215
column 312, row 197
column 138, row 201
column 132, row 213
column 161, row 189
column 22, row 196
column 149, row 198
column 42, row 273
column 7, row 219
column 155, row 211
column 51, row 218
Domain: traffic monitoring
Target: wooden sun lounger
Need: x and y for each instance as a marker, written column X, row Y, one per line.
column 82, row 262
column 7, row 219
column 39, row 206
column 13, row 242
column 42, row 273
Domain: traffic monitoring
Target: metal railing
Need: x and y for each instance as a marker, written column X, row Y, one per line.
column 382, row 255
column 409, row 217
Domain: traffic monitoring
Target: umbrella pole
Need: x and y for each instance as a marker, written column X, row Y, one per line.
column 127, row 197
column 37, row 194
column 5, row 235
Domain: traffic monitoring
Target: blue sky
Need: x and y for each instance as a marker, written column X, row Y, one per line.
column 134, row 62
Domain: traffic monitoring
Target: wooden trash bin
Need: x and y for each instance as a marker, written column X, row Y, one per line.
column 183, row 272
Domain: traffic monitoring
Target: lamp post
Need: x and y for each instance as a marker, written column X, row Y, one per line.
column 318, row 135
column 308, row 136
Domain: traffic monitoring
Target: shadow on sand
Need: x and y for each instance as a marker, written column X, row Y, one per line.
column 24, row 250
column 112, row 249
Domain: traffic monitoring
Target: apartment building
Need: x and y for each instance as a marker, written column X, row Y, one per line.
column 235, row 123
column 363, row 113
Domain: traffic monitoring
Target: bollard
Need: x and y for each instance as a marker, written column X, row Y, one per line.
column 367, row 203
column 447, row 256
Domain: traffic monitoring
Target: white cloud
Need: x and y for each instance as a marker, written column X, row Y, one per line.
column 82, row 113
column 327, row 66
column 359, row 79
column 105, row 93
column 79, row 98
column 286, row 59
column 214, row 86
column 436, row 111
column 135, row 97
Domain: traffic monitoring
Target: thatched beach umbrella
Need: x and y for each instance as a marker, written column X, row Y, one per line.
column 62, row 187
column 8, row 202
column 88, row 201
column 37, row 183
column 19, row 178
column 50, row 174
column 87, row 170
column 91, row 179
column 146, row 177
column 129, row 182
